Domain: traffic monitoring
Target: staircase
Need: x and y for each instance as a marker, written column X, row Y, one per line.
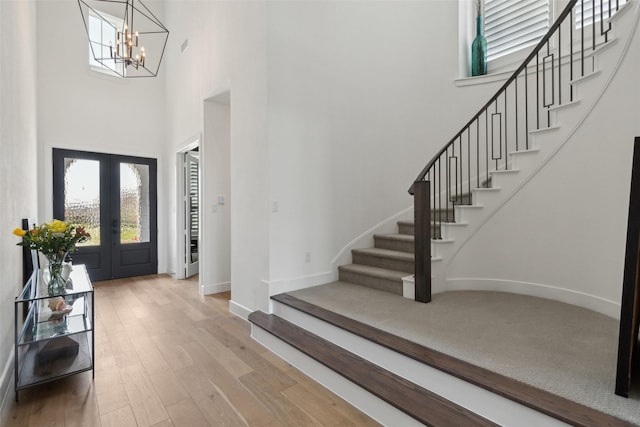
column 383, row 266
column 518, row 131
column 468, row 184
column 388, row 264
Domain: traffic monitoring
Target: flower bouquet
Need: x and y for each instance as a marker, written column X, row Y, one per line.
column 55, row 240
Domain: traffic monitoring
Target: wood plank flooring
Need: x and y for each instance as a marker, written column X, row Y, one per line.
column 167, row 357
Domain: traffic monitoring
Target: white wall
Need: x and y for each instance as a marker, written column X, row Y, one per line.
column 564, row 233
column 361, row 95
column 226, row 53
column 215, row 270
column 18, row 165
column 86, row 110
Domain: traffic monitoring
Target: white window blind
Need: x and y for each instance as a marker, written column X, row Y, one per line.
column 608, row 9
column 511, row 25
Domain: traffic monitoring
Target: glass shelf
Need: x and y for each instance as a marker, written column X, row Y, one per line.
column 78, row 283
column 72, row 323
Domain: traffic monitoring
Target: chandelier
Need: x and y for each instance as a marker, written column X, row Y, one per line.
column 125, row 37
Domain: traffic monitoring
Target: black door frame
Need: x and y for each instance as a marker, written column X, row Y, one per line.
column 111, row 259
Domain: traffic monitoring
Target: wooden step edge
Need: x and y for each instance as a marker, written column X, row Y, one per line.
column 417, row 402
column 537, row 399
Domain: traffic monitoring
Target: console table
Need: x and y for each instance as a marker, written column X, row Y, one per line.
column 53, row 344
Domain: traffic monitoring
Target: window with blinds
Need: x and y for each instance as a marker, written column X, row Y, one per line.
column 591, row 8
column 513, row 25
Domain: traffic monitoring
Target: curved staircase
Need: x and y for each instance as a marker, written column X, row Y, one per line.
column 460, row 210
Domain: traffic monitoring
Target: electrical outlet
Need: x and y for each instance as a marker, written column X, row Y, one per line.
column 307, row 256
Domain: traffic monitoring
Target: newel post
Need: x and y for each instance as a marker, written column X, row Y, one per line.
column 422, row 222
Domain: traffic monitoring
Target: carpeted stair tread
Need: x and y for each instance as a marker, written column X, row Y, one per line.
column 386, row 253
column 381, row 273
column 401, row 237
column 395, row 242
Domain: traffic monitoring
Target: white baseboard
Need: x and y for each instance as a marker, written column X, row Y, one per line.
column 215, row 288
column 6, row 381
column 239, row 310
column 276, row 287
column 287, row 285
column 591, row 302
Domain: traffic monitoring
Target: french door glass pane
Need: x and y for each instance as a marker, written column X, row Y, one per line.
column 82, row 196
column 134, row 203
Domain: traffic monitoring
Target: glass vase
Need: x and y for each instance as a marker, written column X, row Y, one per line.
column 57, row 274
column 479, row 51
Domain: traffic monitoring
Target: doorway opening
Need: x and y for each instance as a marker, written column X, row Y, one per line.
column 191, row 206
column 188, row 213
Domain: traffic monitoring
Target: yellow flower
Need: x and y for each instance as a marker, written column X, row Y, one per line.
column 19, row 232
column 57, row 226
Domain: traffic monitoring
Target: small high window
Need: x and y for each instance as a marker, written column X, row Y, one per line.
column 101, row 35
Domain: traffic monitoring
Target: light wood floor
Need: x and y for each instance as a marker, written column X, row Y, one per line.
column 167, row 357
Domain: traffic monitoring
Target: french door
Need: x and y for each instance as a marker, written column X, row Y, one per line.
column 114, row 198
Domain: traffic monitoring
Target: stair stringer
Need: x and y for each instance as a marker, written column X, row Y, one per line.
column 483, row 402
column 546, row 145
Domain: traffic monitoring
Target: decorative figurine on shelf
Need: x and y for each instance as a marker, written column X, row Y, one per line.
column 58, row 308
column 479, row 46
column 55, row 240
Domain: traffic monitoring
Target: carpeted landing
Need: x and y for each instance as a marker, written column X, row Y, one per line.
column 564, row 349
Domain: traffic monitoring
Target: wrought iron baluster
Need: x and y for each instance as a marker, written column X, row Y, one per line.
column 537, row 91
column 469, row 160
column 582, row 38
column 593, row 28
column 439, row 199
column 560, row 65
column 478, row 152
column 434, row 206
column 486, row 142
column 506, row 133
column 526, row 106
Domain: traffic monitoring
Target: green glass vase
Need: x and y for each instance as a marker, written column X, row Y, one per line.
column 57, row 274
column 479, row 51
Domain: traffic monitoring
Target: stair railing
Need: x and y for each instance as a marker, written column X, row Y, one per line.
column 522, row 105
